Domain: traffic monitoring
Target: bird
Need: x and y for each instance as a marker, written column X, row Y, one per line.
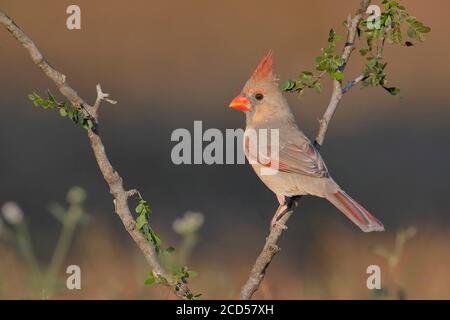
column 300, row 167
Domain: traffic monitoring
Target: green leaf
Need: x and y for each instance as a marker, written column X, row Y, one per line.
column 62, row 112
column 318, row 87
column 192, row 274
column 372, row 63
column 331, row 35
column 139, row 208
column 150, row 279
column 392, row 90
column 156, row 239
column 170, row 249
column 337, row 75
column 288, row 85
column 305, row 76
column 51, row 97
column 161, row 280
column 388, row 21
column 424, row 29
column 141, row 221
column 411, row 33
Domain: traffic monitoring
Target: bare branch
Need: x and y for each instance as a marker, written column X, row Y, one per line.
column 101, row 96
column 112, row 177
column 352, row 83
column 271, row 248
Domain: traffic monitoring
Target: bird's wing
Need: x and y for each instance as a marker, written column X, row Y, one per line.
column 301, row 158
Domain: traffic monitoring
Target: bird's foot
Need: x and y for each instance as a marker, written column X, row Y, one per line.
column 278, row 215
column 278, row 224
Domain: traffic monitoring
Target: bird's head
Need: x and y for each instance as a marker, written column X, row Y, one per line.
column 261, row 98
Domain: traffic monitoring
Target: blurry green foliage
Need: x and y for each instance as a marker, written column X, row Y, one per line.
column 393, row 17
column 44, row 281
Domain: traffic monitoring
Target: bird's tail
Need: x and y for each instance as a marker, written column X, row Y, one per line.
column 355, row 212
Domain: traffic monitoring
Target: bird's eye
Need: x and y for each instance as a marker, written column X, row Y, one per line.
column 259, row 96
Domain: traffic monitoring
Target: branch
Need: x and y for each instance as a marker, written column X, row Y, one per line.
column 352, row 83
column 271, row 248
column 101, row 96
column 265, row 257
column 112, row 177
column 336, row 96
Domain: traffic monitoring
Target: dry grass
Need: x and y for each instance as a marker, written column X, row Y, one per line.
column 335, row 269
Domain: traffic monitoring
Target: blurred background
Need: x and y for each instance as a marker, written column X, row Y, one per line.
column 170, row 63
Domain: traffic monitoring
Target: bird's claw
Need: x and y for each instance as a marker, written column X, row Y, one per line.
column 276, row 223
column 279, row 224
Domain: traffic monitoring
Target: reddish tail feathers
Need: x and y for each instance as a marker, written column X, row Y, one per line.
column 355, row 212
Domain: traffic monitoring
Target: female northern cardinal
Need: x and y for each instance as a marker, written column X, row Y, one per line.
column 301, row 170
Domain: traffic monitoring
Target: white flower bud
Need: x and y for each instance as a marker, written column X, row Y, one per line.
column 189, row 223
column 76, row 195
column 12, row 213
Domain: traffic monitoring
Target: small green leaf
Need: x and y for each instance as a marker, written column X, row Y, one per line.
column 318, row 87
column 288, row 85
column 51, row 97
column 305, row 76
column 372, row 63
column 139, row 208
column 156, row 239
column 411, row 33
column 161, row 280
column 392, row 90
column 388, row 21
column 424, row 29
column 150, row 279
column 141, row 221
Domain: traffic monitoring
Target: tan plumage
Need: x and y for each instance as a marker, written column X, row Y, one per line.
column 301, row 169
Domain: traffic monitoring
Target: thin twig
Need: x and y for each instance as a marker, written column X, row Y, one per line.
column 351, row 84
column 271, row 248
column 112, row 177
column 101, row 96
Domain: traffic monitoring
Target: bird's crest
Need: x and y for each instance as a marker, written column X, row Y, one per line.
column 264, row 69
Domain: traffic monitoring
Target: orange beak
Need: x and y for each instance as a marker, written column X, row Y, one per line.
column 241, row 103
